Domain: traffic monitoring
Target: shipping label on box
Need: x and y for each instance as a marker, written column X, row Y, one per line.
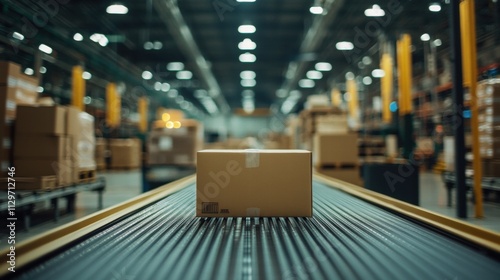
column 254, row 183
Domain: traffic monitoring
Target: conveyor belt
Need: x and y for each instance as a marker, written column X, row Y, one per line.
column 346, row 239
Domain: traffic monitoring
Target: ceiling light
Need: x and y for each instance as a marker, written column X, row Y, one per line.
column 248, row 83
column 247, row 29
column 245, row 1
column 247, row 75
column 314, row 75
column 295, row 94
column 117, row 9
column 173, row 93
column 157, row 86
column 29, row 71
column 18, row 36
column 248, row 57
column 175, row 66
column 78, row 37
column 323, row 66
column 99, row 38
column 437, row 42
column 248, row 93
column 435, row 7
column 157, row 45
column 247, row 44
column 201, row 93
column 367, row 80
column 165, row 87
column 367, row 60
column 86, row 75
column 179, row 99
column 281, row 93
column 43, row 70
column 39, row 89
column 184, row 75
column 425, row 37
column 146, row 75
column 44, row 48
column 316, row 10
column 344, row 46
column 374, row 11
column 349, row 76
column 306, row 83
column 378, row 73
column 148, row 45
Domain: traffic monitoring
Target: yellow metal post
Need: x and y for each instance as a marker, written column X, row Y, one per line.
column 111, row 104
column 336, row 98
column 77, row 88
column 386, row 87
column 143, row 114
column 469, row 56
column 352, row 89
column 118, row 109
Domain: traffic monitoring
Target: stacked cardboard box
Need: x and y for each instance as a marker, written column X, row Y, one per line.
column 125, row 153
column 175, row 146
column 15, row 88
column 100, row 153
column 489, row 125
column 43, row 148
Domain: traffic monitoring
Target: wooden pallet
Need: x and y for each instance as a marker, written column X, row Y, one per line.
column 44, row 183
column 85, row 176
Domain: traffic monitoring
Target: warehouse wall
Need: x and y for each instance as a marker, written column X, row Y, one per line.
column 237, row 126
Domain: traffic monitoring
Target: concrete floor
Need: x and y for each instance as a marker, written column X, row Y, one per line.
column 123, row 185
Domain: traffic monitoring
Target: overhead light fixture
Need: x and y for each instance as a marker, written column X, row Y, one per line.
column 147, row 75
column 374, row 11
column 29, row 71
column 295, row 94
column 86, row 75
column 173, row 93
column 248, row 58
column 425, row 37
column 435, row 7
column 148, row 45
column 248, row 83
column 179, row 99
column 117, row 9
column 344, row 46
column 175, row 66
column 248, row 93
column 157, row 86
column 184, row 75
column 323, row 66
column 246, row 29
column 18, row 36
column 39, row 89
column 316, row 10
column 100, row 39
column 378, row 73
column 44, row 48
column 157, row 45
column 437, row 42
column 367, row 80
column 314, row 75
column 367, row 60
column 201, row 93
column 306, row 83
column 247, row 75
column 247, row 44
column 78, row 37
column 43, row 70
column 165, row 87
column 245, row 1
column 349, row 76
column 281, row 93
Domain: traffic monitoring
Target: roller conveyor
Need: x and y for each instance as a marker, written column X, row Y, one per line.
column 348, row 238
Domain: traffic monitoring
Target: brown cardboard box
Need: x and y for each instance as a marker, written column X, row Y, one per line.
column 100, row 153
column 125, row 153
column 49, row 120
column 72, row 121
column 334, row 149
column 42, row 167
column 254, row 183
column 491, row 168
column 349, row 175
column 41, row 147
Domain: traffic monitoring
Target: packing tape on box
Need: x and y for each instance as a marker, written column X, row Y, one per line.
column 252, row 158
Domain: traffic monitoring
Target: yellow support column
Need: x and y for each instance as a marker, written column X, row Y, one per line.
column 336, row 98
column 352, row 89
column 111, row 105
column 386, row 87
column 469, row 56
column 77, row 88
column 405, row 88
column 143, row 114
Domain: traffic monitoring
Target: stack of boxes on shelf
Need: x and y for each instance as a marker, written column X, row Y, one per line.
column 489, row 126
column 54, row 142
column 125, row 153
column 15, row 89
column 335, row 148
column 176, row 145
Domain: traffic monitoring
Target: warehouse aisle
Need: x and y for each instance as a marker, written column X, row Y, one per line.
column 123, row 185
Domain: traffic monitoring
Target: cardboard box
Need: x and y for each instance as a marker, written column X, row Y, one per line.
column 254, row 183
column 491, row 168
column 333, row 149
column 42, row 167
column 125, row 153
column 41, row 147
column 349, row 175
column 48, row 120
column 73, row 121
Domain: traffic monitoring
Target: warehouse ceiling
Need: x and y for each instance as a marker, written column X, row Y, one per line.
column 289, row 41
